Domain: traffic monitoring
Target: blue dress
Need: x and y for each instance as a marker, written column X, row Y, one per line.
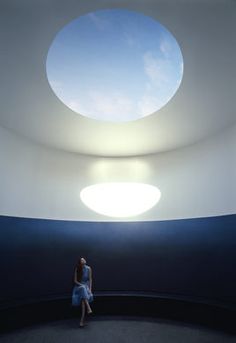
column 82, row 291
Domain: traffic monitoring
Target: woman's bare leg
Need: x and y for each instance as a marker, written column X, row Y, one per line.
column 83, row 313
column 89, row 310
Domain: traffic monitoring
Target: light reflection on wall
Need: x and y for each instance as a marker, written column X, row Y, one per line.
column 119, row 170
column 120, row 199
column 124, row 181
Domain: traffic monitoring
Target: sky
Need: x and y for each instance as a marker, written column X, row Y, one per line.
column 114, row 65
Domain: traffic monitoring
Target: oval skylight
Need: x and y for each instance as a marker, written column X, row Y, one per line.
column 114, row 65
column 120, row 199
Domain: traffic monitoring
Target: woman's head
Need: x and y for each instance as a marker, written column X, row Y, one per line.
column 82, row 260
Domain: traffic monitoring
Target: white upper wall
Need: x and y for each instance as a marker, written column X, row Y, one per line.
column 197, row 181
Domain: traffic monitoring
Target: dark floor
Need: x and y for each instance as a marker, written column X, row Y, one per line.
column 117, row 329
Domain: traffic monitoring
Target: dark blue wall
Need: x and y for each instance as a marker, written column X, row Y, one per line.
column 189, row 257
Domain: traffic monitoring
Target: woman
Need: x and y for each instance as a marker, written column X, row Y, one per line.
column 82, row 290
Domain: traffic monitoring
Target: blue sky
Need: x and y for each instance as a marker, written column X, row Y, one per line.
column 115, row 65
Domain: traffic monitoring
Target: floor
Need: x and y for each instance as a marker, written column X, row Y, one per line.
column 117, row 329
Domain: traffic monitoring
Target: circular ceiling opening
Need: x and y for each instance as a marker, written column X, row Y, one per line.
column 114, row 65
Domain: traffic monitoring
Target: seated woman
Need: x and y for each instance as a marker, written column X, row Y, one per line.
column 82, row 290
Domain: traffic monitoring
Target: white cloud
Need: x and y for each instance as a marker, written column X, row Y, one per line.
column 148, row 104
column 165, row 47
column 77, row 106
column 104, row 106
column 100, row 23
column 111, row 106
column 157, row 69
column 74, row 105
column 56, row 85
column 160, row 84
column 129, row 39
column 115, row 106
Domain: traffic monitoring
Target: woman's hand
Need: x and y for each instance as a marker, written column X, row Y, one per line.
column 79, row 284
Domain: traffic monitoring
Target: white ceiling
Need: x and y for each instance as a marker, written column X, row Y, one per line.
column 203, row 105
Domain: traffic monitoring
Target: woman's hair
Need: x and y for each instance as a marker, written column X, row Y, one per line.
column 79, row 269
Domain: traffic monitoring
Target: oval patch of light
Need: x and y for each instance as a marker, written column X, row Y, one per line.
column 121, row 199
column 114, row 65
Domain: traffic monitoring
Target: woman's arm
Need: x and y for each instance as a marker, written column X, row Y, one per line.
column 75, row 278
column 90, row 279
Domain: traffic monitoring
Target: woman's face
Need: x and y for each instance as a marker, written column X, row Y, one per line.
column 82, row 260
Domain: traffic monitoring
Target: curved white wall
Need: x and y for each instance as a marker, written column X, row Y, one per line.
column 38, row 182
